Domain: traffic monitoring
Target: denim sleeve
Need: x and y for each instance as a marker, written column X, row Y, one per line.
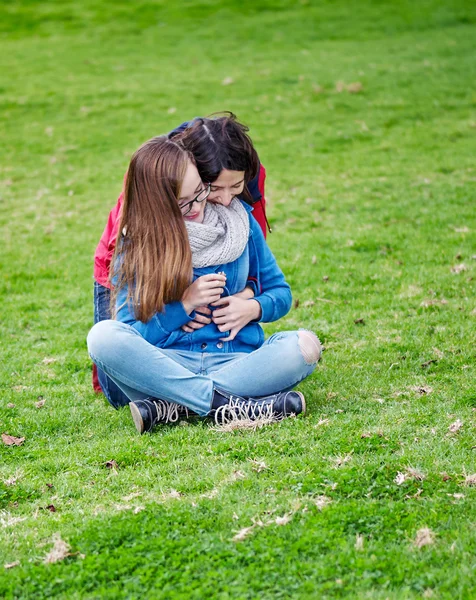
column 161, row 325
column 274, row 295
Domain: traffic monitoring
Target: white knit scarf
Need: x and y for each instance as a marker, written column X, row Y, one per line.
column 222, row 237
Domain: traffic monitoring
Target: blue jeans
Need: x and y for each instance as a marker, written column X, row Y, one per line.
column 142, row 370
column 114, row 394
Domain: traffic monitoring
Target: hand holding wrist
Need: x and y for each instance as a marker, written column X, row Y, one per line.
column 203, row 291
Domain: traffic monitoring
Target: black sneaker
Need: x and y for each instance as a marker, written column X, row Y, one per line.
column 150, row 412
column 227, row 407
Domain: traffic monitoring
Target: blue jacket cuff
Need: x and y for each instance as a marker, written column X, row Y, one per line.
column 173, row 316
column 267, row 308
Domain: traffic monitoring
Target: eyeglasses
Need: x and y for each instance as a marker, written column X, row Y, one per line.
column 200, row 197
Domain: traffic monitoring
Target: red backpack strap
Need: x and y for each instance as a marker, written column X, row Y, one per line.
column 259, row 207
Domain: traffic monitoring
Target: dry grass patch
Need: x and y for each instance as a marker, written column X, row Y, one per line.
column 424, row 537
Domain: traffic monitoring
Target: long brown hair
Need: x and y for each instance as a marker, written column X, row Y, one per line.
column 153, row 257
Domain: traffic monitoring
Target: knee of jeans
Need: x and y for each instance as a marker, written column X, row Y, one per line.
column 100, row 337
column 310, row 346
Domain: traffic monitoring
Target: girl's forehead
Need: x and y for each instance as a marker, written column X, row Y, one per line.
column 191, row 180
column 229, row 178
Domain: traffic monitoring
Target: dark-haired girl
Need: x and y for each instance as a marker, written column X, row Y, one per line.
column 225, row 158
column 175, row 254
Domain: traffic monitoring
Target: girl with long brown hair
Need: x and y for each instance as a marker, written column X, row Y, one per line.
column 175, row 255
column 225, row 156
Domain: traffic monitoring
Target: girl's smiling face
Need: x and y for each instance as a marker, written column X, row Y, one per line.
column 193, row 195
column 228, row 185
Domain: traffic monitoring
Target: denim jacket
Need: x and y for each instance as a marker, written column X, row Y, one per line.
column 256, row 266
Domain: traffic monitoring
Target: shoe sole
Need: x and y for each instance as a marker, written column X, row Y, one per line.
column 303, row 401
column 137, row 418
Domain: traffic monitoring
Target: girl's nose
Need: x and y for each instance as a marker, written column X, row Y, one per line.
column 226, row 198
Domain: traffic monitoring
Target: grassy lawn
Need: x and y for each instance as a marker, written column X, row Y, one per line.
column 364, row 114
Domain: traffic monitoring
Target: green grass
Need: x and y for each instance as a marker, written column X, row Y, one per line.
column 372, row 204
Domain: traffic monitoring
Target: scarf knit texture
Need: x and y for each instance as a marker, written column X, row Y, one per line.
column 222, row 237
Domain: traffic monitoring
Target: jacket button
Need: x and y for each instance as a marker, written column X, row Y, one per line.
column 220, row 345
column 203, row 346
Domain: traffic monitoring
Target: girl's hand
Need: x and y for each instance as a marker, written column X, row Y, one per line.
column 201, row 319
column 203, row 291
column 234, row 313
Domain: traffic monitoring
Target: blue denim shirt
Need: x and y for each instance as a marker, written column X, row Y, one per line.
column 256, row 264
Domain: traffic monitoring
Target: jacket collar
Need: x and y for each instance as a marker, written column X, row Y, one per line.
column 248, row 208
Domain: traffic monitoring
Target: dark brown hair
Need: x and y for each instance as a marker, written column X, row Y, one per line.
column 153, row 257
column 221, row 142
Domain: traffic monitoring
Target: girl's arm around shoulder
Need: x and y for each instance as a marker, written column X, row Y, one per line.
column 161, row 325
column 274, row 294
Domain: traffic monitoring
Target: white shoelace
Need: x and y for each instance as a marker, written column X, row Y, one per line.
column 169, row 412
column 238, row 410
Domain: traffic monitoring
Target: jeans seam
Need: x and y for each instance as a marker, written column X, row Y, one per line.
column 127, row 381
